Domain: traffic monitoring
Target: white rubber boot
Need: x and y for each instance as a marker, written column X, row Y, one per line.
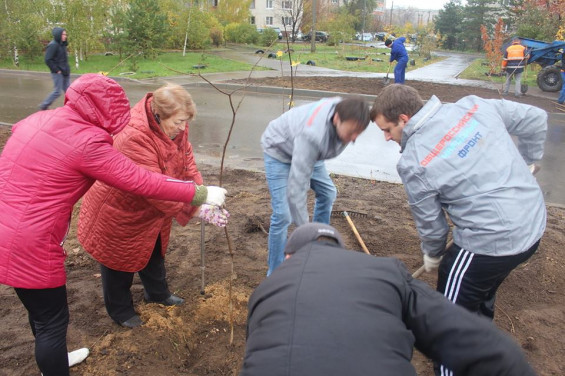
column 77, row 356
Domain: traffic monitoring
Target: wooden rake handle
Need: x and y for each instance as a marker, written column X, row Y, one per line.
column 356, row 233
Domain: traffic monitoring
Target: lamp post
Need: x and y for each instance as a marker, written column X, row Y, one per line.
column 391, row 8
column 313, row 34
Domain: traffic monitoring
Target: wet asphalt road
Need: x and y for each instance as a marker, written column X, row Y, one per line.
column 370, row 157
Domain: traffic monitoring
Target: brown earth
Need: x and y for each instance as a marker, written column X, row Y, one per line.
column 372, row 86
column 194, row 339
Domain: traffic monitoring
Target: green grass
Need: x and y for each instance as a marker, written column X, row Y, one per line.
column 334, row 57
column 478, row 71
column 166, row 64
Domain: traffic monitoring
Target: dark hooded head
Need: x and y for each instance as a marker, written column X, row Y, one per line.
column 58, row 35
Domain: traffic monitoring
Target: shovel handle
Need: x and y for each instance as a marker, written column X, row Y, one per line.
column 356, row 233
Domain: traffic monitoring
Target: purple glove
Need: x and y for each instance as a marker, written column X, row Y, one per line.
column 214, row 215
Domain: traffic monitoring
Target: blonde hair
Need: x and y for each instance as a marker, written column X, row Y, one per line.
column 171, row 99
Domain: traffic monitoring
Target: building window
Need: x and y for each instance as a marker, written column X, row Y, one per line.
column 269, row 4
column 287, row 4
column 252, row 5
column 268, row 20
column 287, row 21
column 252, row 20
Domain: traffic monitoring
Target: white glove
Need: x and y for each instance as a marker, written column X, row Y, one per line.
column 214, row 215
column 533, row 168
column 431, row 263
column 216, row 195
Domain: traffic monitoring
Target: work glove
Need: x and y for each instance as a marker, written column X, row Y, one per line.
column 216, row 195
column 210, row 195
column 431, row 263
column 214, row 215
column 533, row 168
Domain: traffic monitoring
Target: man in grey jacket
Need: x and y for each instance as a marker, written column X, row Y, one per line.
column 459, row 159
column 329, row 311
column 295, row 146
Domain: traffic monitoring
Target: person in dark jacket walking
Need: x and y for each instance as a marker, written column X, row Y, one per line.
column 398, row 53
column 58, row 63
column 329, row 311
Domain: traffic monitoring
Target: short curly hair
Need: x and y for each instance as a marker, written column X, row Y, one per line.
column 170, row 99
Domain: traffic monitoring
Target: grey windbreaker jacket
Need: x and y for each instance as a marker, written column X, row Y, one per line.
column 460, row 157
column 303, row 136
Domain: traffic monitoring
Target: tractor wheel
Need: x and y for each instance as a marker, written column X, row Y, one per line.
column 549, row 79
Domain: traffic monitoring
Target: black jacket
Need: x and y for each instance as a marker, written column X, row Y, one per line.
column 56, row 53
column 328, row 311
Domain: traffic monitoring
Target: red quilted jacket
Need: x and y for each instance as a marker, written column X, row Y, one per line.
column 49, row 162
column 119, row 229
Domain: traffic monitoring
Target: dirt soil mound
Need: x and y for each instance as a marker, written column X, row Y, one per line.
column 194, row 339
column 372, row 86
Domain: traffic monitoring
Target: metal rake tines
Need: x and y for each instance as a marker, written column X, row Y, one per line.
column 350, row 213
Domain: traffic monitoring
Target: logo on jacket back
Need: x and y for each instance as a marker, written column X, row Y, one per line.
column 315, row 110
column 455, row 137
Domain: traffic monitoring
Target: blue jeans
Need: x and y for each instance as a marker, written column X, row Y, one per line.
column 60, row 85
column 400, row 71
column 277, row 173
column 561, row 99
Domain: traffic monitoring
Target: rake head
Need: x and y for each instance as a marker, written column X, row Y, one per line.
column 355, row 214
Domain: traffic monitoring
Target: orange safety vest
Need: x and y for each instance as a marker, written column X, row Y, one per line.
column 514, row 56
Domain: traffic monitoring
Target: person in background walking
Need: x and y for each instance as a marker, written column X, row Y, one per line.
column 58, row 63
column 128, row 233
column 515, row 58
column 328, row 311
column 398, row 53
column 295, row 146
column 561, row 99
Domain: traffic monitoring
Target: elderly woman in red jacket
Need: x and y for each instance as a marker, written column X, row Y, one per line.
column 49, row 162
column 129, row 233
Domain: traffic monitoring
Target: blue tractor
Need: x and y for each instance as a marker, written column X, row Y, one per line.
column 546, row 55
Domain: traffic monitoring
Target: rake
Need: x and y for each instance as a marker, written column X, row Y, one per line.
column 357, row 214
column 421, row 269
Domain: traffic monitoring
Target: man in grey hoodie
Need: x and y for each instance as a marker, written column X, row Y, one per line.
column 459, row 159
column 58, row 62
column 295, row 146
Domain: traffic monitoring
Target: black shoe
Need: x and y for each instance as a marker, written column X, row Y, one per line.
column 132, row 322
column 170, row 301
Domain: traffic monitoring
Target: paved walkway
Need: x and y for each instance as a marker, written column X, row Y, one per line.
column 445, row 71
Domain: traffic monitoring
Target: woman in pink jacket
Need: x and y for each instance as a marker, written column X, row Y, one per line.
column 129, row 233
column 49, row 162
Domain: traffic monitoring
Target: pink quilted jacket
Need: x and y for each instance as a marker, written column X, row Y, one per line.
column 49, row 162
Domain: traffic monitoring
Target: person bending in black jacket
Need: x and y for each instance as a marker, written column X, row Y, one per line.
column 58, row 62
column 328, row 311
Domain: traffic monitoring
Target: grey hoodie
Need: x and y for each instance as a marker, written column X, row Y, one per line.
column 461, row 158
column 303, row 136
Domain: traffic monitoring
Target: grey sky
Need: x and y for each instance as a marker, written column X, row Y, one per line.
column 419, row 4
